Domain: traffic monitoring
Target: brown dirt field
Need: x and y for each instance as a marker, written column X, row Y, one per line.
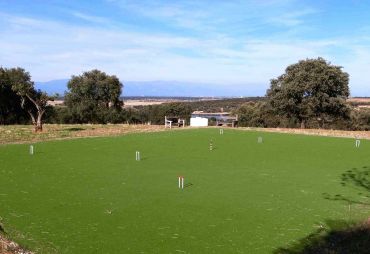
column 359, row 100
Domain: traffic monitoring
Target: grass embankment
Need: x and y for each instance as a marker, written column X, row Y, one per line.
column 91, row 196
column 10, row 134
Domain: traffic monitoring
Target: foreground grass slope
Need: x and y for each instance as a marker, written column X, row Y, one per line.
column 91, row 196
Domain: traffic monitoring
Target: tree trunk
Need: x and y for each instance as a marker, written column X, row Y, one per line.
column 303, row 124
column 38, row 126
column 33, row 119
column 38, row 123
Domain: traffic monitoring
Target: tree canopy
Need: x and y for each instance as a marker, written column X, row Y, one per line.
column 311, row 88
column 93, row 95
column 11, row 111
column 33, row 101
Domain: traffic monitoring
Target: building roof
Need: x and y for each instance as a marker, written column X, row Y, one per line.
column 221, row 116
column 200, row 113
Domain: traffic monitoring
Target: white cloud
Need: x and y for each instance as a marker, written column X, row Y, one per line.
column 90, row 18
column 292, row 19
column 53, row 50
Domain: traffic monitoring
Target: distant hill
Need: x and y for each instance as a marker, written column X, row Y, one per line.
column 53, row 86
column 168, row 89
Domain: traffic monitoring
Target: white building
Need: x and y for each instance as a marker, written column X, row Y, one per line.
column 198, row 121
column 200, row 118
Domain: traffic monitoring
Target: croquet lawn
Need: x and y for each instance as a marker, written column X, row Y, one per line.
column 91, row 196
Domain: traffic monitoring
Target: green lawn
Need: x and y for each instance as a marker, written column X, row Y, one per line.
column 91, row 196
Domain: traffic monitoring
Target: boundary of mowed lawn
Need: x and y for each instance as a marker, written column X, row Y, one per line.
column 136, row 129
column 75, row 131
column 314, row 132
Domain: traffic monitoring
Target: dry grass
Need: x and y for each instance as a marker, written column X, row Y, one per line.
column 24, row 133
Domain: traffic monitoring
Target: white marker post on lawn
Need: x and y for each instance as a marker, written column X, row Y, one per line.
column 221, row 131
column 137, row 156
column 259, row 140
column 31, row 149
column 181, row 182
column 358, row 143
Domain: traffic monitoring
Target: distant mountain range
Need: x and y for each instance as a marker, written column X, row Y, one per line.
column 168, row 89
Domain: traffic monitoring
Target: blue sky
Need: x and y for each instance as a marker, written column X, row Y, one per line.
column 219, row 42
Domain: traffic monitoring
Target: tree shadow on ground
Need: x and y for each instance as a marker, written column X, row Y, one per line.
column 75, row 129
column 358, row 179
column 340, row 236
column 336, row 237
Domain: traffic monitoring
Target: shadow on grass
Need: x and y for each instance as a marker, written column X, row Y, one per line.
column 358, row 179
column 336, row 237
column 188, row 185
column 75, row 129
column 340, row 236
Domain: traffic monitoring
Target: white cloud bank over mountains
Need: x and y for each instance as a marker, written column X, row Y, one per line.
column 206, row 53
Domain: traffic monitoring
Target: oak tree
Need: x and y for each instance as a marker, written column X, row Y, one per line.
column 311, row 88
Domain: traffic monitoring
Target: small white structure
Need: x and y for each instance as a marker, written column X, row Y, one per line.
column 137, row 156
column 173, row 121
column 167, row 123
column 358, row 143
column 198, row 121
column 181, row 182
column 211, row 145
column 31, row 149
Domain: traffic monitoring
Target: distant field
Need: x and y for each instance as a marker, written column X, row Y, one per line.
column 91, row 196
column 359, row 100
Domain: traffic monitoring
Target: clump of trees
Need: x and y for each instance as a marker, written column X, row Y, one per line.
column 19, row 91
column 155, row 114
column 310, row 89
column 94, row 97
column 11, row 111
column 309, row 94
column 360, row 120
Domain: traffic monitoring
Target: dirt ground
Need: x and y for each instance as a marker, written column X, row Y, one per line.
column 9, row 247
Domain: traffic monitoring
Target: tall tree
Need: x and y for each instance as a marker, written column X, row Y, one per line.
column 311, row 88
column 11, row 111
column 33, row 101
column 92, row 95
